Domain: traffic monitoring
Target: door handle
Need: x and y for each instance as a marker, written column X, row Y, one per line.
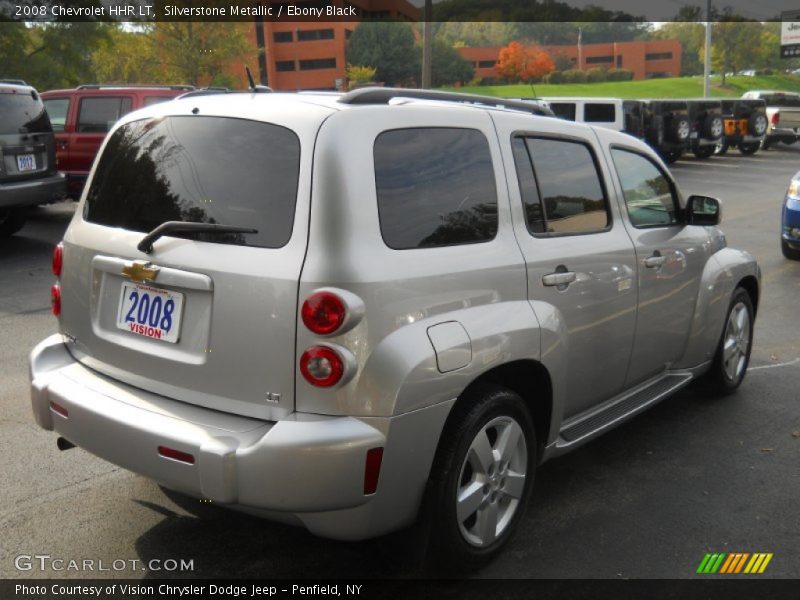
column 655, row 261
column 559, row 278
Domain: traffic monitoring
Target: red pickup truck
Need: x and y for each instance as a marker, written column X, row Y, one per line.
column 81, row 117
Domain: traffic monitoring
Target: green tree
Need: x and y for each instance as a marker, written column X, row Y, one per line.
column 127, row 57
column 199, row 52
column 448, row 66
column 734, row 45
column 13, row 42
column 389, row 47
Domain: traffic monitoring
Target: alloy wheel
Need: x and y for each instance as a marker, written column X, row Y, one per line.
column 737, row 342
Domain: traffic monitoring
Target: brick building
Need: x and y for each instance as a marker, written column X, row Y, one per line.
column 658, row 58
column 311, row 55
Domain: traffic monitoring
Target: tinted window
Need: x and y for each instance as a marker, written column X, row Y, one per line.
column 314, row 34
column 647, row 192
column 282, row 36
column 598, row 113
column 569, row 185
column 22, row 111
column 201, row 169
column 532, row 203
column 98, row 115
column 317, row 63
column 565, row 110
column 435, row 187
column 57, row 111
column 284, row 65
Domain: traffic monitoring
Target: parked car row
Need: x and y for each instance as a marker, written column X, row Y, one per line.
column 674, row 127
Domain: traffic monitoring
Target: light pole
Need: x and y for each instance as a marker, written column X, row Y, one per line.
column 707, row 54
column 427, row 50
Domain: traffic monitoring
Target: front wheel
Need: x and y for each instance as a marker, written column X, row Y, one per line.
column 789, row 252
column 703, row 151
column 733, row 352
column 722, row 148
column 482, row 478
column 11, row 221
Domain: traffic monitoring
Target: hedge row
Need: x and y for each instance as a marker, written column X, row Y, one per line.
column 594, row 75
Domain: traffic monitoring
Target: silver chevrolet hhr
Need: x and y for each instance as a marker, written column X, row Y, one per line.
column 326, row 308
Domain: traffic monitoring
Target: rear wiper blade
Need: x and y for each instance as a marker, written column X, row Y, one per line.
column 146, row 245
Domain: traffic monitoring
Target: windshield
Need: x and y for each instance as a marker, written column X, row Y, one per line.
column 199, row 169
column 22, row 112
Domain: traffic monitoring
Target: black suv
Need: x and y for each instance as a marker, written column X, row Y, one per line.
column 28, row 174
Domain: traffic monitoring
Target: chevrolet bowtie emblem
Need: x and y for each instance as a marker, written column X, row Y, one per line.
column 140, row 270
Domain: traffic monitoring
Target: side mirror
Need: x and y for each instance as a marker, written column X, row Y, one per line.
column 703, row 210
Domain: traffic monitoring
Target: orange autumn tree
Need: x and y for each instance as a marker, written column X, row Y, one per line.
column 523, row 63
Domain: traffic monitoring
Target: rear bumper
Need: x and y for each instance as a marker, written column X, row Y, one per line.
column 309, row 467
column 33, row 191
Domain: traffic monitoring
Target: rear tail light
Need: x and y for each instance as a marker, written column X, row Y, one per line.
column 372, row 470
column 322, row 366
column 183, row 457
column 323, row 312
column 58, row 259
column 775, row 118
column 55, row 300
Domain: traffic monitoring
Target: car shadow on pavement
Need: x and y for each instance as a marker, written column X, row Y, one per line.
column 228, row 544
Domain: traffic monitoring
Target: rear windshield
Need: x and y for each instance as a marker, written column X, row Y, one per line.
column 779, row 100
column 22, row 112
column 199, row 169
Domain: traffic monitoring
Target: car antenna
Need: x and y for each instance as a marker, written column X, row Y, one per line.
column 255, row 89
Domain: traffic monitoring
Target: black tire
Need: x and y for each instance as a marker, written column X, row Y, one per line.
column 757, row 124
column 671, row 156
column 788, row 252
column 713, row 127
column 11, row 221
column 765, row 143
column 703, row 151
column 482, row 419
column 722, row 148
column 728, row 370
column 750, row 148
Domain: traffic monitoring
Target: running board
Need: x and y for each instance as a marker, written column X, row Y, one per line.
column 587, row 425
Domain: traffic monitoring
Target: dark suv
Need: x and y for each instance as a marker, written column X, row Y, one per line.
column 28, row 173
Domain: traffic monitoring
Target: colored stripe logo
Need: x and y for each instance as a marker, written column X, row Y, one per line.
column 734, row 563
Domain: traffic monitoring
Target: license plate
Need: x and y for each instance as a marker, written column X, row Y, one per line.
column 693, row 135
column 26, row 162
column 150, row 312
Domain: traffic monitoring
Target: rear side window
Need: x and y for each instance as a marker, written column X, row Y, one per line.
column 560, row 186
column 98, row 115
column 564, row 110
column 22, row 112
column 57, row 110
column 599, row 113
column 435, row 187
column 647, row 192
column 199, row 169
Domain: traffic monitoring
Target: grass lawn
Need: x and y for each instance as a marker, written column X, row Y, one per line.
column 676, row 87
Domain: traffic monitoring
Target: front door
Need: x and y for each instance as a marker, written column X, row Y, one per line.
column 670, row 257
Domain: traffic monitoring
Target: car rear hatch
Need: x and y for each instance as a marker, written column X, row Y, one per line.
column 207, row 317
column 26, row 137
column 789, row 106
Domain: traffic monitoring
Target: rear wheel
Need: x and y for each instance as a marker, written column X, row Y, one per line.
column 789, row 252
column 750, row 148
column 733, row 352
column 481, row 478
column 703, row 151
column 11, row 221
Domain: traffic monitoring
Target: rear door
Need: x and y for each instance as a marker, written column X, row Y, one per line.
column 58, row 111
column 579, row 258
column 207, row 319
column 26, row 138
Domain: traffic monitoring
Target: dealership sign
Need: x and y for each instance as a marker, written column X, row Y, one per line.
column 790, row 34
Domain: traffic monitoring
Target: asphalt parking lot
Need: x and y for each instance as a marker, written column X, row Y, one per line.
column 648, row 500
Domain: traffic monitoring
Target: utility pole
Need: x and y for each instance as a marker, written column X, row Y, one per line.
column 707, row 54
column 580, row 62
column 427, row 50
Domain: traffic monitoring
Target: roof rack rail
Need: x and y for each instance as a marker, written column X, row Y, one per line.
column 97, row 86
column 13, row 81
column 379, row 95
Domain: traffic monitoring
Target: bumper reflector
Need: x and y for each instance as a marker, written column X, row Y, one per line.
column 57, row 408
column 176, row 455
column 372, row 470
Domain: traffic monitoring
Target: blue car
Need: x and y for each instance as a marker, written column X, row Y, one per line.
column 790, row 230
